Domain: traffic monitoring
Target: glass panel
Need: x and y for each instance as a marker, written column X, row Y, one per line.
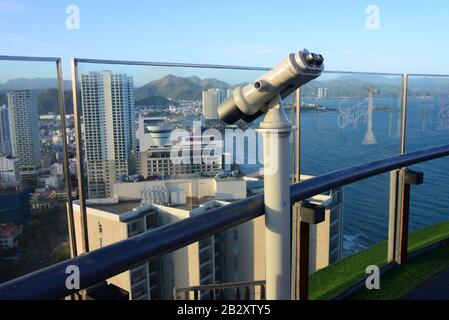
column 130, row 115
column 33, row 217
column 428, row 126
column 346, row 120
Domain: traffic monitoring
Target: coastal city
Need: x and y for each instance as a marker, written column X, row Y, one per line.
column 133, row 184
column 211, row 154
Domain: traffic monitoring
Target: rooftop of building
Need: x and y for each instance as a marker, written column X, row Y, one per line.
column 130, row 209
column 114, row 205
column 8, row 156
column 10, row 230
column 185, row 178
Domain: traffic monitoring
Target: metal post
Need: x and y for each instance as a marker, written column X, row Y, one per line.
column 404, row 111
column 237, row 294
column 276, row 130
column 403, row 234
column 300, row 247
column 395, row 202
column 399, row 218
column 293, row 153
column 304, row 253
column 298, row 135
column 247, row 293
column 397, row 185
column 65, row 158
column 79, row 157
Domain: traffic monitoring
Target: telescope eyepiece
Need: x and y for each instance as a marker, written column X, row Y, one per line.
column 319, row 60
column 314, row 59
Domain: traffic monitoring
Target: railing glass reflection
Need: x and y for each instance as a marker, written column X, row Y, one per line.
column 349, row 119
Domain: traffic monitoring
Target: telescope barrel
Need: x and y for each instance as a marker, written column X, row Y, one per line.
column 293, row 72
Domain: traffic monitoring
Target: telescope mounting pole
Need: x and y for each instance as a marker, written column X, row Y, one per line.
column 276, row 130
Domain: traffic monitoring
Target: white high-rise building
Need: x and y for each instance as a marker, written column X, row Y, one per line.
column 322, row 93
column 211, row 101
column 109, row 130
column 23, row 120
column 229, row 93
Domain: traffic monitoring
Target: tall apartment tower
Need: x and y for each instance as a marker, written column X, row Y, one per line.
column 211, row 101
column 23, row 121
column 109, row 130
column 322, row 93
column 5, row 133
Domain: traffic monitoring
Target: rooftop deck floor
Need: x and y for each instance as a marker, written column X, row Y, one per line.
column 436, row 288
column 328, row 283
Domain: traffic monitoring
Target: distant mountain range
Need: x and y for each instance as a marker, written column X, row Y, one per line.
column 178, row 88
column 46, row 92
column 34, row 84
column 170, row 89
column 47, row 101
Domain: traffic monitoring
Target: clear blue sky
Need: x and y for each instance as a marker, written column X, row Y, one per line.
column 413, row 35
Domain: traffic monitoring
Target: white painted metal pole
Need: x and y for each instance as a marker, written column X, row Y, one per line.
column 276, row 131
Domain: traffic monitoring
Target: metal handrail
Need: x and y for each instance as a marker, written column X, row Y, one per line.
column 101, row 264
column 213, row 66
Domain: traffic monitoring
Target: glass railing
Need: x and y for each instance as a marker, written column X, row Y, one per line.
column 348, row 119
column 130, row 116
column 35, row 178
column 128, row 157
column 428, row 125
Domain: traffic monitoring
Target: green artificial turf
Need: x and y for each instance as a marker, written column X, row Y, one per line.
column 398, row 282
column 339, row 276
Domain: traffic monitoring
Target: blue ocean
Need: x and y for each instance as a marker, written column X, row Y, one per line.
column 347, row 136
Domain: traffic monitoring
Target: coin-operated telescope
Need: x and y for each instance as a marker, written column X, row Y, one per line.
column 251, row 101
column 248, row 103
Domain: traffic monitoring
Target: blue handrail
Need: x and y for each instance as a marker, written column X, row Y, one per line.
column 101, row 264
